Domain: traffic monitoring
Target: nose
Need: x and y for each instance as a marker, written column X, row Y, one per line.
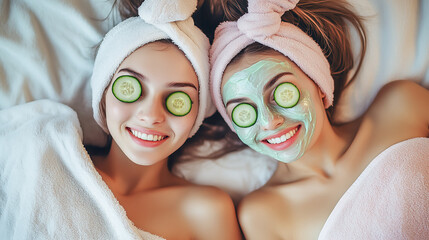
column 270, row 119
column 151, row 110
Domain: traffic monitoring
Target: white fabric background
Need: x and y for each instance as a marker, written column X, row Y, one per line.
column 47, row 50
column 398, row 48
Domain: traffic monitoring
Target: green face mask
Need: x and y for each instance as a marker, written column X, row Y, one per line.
column 299, row 120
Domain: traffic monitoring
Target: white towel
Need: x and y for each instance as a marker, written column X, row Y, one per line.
column 49, row 188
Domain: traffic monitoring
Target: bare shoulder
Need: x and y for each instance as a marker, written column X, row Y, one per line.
column 260, row 212
column 403, row 96
column 258, row 203
column 286, row 211
column 208, row 197
column 401, row 100
column 210, row 213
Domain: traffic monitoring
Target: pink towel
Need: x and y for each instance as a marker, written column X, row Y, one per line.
column 389, row 200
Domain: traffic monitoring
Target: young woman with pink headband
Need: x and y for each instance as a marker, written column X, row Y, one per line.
column 277, row 72
column 149, row 94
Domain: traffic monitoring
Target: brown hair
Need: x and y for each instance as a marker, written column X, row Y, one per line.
column 216, row 134
column 128, row 8
column 328, row 23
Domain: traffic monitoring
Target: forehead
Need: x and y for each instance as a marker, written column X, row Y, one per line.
column 248, row 60
column 163, row 61
column 255, row 80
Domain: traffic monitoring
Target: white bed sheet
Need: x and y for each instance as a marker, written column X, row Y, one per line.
column 47, row 50
column 397, row 48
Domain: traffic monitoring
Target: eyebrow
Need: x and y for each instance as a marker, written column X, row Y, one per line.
column 274, row 79
column 268, row 85
column 179, row 84
column 136, row 74
column 173, row 84
column 235, row 100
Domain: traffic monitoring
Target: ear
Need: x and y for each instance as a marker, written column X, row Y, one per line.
column 322, row 94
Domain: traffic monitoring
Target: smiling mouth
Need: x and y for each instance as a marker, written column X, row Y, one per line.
column 148, row 137
column 283, row 138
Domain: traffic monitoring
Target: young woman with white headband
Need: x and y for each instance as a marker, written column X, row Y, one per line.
column 277, row 73
column 150, row 94
column 168, row 61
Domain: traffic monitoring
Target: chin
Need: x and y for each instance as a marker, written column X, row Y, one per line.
column 287, row 159
column 284, row 156
column 146, row 159
column 145, row 162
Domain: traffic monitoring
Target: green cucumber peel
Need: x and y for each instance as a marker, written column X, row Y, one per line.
column 286, row 95
column 178, row 103
column 127, row 89
column 244, row 115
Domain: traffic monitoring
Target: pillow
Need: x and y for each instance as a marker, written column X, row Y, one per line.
column 397, row 49
column 47, row 52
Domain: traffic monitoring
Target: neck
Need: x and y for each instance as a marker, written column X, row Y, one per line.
column 125, row 177
column 321, row 158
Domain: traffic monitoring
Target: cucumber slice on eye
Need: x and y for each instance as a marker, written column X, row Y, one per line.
column 244, row 115
column 127, row 89
column 286, row 95
column 178, row 103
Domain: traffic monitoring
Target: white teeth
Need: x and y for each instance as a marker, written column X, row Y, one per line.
column 147, row 137
column 283, row 138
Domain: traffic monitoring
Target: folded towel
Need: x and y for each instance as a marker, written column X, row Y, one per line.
column 389, row 200
column 49, row 188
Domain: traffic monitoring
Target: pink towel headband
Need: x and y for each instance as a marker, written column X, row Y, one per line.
column 263, row 24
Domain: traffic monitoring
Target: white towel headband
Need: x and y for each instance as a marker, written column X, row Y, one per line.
column 263, row 24
column 158, row 19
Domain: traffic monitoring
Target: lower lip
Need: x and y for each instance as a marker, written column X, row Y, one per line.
column 285, row 144
column 146, row 143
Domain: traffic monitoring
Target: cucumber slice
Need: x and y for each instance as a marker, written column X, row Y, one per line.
column 178, row 103
column 286, row 95
column 244, row 115
column 127, row 89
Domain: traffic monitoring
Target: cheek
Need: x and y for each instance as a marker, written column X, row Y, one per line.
column 306, row 109
column 320, row 112
column 247, row 135
column 116, row 112
column 183, row 125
